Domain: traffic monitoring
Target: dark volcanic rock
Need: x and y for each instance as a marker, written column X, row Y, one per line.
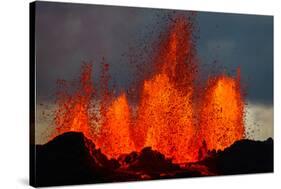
column 151, row 164
column 244, row 156
column 151, row 161
column 71, row 159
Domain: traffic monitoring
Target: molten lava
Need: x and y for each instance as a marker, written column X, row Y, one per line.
column 222, row 112
column 169, row 116
column 73, row 110
column 165, row 115
column 115, row 131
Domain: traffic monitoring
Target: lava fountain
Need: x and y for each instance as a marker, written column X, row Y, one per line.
column 169, row 116
column 165, row 114
column 73, row 110
column 115, row 131
column 222, row 112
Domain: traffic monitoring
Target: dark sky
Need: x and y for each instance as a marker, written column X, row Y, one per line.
column 67, row 34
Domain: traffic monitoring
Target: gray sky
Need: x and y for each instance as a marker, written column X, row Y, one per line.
column 67, row 34
column 244, row 41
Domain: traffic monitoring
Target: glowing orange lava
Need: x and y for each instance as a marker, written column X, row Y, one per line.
column 115, row 131
column 222, row 112
column 73, row 111
column 169, row 116
column 165, row 114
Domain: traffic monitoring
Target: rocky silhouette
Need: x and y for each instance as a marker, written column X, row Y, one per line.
column 244, row 156
column 71, row 158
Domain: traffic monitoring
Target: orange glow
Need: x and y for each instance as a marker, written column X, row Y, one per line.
column 165, row 114
column 172, row 115
column 73, row 111
column 115, row 132
column 222, row 112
